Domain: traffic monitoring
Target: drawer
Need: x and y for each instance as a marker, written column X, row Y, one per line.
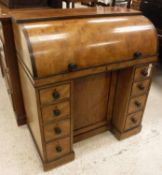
column 57, row 130
column 56, row 112
column 133, row 120
column 141, row 73
column 58, row 148
column 140, row 88
column 54, row 94
column 136, row 104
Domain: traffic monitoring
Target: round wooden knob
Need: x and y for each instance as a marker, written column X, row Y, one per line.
column 144, row 72
column 137, row 55
column 57, row 131
column 58, row 149
column 137, row 103
column 133, row 120
column 72, row 67
column 56, row 112
column 141, row 87
column 56, row 95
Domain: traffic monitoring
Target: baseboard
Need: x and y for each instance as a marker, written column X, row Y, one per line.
column 124, row 135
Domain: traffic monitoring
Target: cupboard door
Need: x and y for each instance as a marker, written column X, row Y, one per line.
column 90, row 103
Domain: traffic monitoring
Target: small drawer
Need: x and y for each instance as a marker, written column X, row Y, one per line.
column 141, row 73
column 140, row 88
column 58, row 148
column 54, row 94
column 57, row 130
column 133, row 120
column 56, row 112
column 136, row 104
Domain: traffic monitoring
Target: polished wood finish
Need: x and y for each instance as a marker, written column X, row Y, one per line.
column 136, row 104
column 10, row 68
column 10, row 56
column 32, row 110
column 54, row 94
column 124, row 135
column 143, row 72
column 90, row 101
column 133, row 120
column 123, row 89
column 60, row 161
column 58, row 149
column 56, row 112
column 39, row 15
column 57, row 130
column 140, row 88
column 83, row 83
column 48, row 65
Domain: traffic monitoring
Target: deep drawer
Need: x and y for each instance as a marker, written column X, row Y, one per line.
column 133, row 120
column 58, row 148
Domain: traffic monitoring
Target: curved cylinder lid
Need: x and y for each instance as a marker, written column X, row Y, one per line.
column 54, row 46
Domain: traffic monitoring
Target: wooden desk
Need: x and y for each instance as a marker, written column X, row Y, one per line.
column 8, row 53
column 83, row 72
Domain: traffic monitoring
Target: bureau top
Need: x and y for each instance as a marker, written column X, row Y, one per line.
column 58, row 45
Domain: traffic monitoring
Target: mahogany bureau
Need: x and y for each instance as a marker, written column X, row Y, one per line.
column 83, row 72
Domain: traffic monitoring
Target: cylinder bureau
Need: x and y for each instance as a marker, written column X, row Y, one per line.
column 82, row 74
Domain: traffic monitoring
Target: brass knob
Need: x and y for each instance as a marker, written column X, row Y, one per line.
column 137, row 103
column 58, row 149
column 57, row 130
column 137, row 55
column 72, row 67
column 56, row 95
column 144, row 72
column 141, row 87
column 56, row 112
column 133, row 120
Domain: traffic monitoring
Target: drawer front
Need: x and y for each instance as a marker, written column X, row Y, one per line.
column 140, row 88
column 54, row 94
column 141, row 73
column 56, row 112
column 58, row 148
column 57, row 130
column 137, row 104
column 133, row 120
